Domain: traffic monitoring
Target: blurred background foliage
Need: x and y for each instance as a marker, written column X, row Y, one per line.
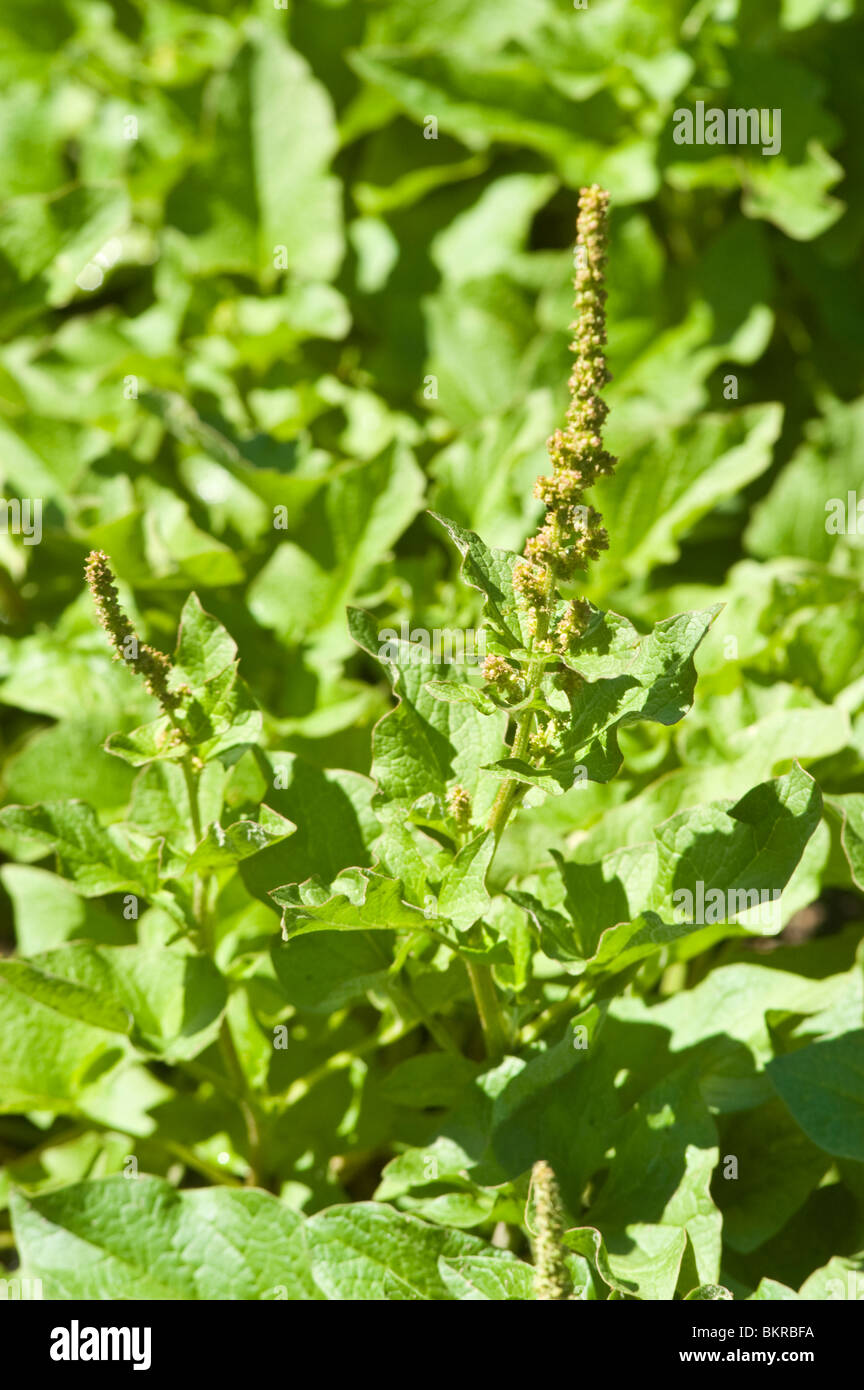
column 311, row 266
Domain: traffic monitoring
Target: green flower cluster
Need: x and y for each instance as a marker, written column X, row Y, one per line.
column 153, row 666
column 572, row 532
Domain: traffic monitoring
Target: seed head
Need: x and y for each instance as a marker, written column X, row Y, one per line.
column 151, row 665
column 459, row 805
column 551, row 1277
column 571, row 534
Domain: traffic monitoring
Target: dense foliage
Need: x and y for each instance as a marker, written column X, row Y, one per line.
column 310, row 992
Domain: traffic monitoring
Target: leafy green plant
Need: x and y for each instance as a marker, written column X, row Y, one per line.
column 524, row 1010
column 428, row 1010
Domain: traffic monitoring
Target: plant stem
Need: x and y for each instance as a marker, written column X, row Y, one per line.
column 493, row 1020
column 192, row 792
column 238, row 1076
column 226, row 1041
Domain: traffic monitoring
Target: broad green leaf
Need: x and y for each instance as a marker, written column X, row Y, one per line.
column 430, row 1078
column 99, row 859
column 822, row 1086
column 55, row 1054
column 204, row 648
column 656, row 683
column 302, row 590
column 777, row 1166
column 370, row 1252
column 463, row 896
column 222, row 848
column 807, row 510
column 366, row 902
column 478, row 1278
column 726, row 1015
column 139, row 1238
column 241, row 204
column 44, row 981
column 173, row 999
column 425, row 746
column 659, row 1189
column 713, row 864
column 518, row 1112
column 330, row 969
column 673, row 481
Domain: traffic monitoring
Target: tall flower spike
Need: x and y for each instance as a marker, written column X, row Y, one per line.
column 153, row 666
column 551, row 1278
column 572, row 532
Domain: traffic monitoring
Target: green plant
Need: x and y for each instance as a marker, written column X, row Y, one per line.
column 257, row 368
column 445, row 998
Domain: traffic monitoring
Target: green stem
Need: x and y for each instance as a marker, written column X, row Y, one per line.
column 493, row 1020
column 192, row 793
column 250, row 1119
column 226, row 1041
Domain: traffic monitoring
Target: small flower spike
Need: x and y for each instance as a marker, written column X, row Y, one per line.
column 551, row 1278
column 151, row 665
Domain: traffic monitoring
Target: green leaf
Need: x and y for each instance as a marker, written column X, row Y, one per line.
column 805, row 513
column 41, row 981
column 660, row 490
column 119, row 1238
column 326, row 971
column 302, row 590
column 99, row 859
column 777, row 1168
column 461, row 693
column 822, row 1086
column 367, row 902
column 484, row 98
column 491, row 572
column 655, row 682
column 425, row 745
column 850, row 809
column 657, row 1196
column 173, row 999
column 475, row 1278
column 55, row 1049
column 708, row 865
column 204, row 648
column 429, row 1079
column 241, row 204
column 463, row 896
column 222, row 848
column 370, row 1252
